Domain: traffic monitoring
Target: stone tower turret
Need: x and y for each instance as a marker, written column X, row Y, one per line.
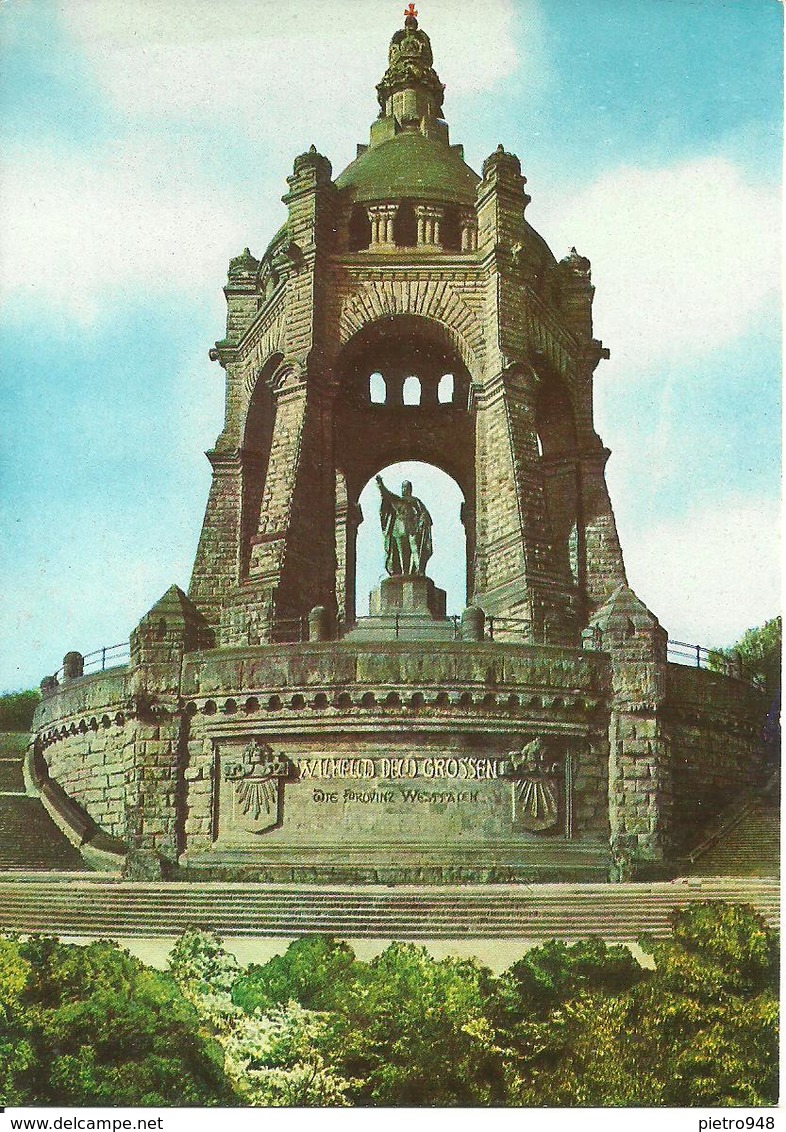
column 407, row 264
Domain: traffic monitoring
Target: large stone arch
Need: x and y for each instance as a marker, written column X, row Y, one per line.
column 369, row 436
column 437, row 301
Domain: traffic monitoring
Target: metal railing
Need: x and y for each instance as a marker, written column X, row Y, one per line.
column 288, row 631
column 495, row 628
column 398, row 622
column 697, row 656
column 295, row 630
column 108, row 656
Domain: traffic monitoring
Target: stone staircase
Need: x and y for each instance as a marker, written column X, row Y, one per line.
column 107, row 907
column 29, row 839
column 745, row 840
column 750, row 848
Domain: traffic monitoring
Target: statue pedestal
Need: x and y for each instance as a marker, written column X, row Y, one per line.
column 408, row 596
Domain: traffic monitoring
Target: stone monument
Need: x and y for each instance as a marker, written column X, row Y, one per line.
column 261, row 729
column 406, row 527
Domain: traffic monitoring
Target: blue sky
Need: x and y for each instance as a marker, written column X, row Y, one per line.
column 145, row 142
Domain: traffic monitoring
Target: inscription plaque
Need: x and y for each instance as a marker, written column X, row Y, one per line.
column 372, row 797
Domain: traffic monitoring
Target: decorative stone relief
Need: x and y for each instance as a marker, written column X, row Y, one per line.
column 252, row 789
column 535, row 787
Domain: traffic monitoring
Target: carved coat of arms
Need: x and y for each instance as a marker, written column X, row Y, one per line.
column 535, row 788
column 256, row 778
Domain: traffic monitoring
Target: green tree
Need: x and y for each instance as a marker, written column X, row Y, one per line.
column 550, row 975
column 759, row 651
column 17, row 710
column 271, row 1044
column 93, row 1026
column 200, row 965
column 421, row 1032
column 276, row 1058
column 16, row 1053
column 700, row 1029
column 318, row 972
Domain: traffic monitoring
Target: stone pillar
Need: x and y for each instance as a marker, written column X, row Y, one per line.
column 319, row 624
column 517, row 572
column 576, row 293
column 429, row 219
column 217, row 562
column 241, row 294
column 640, row 776
column 604, row 568
column 73, row 665
column 154, row 780
column 469, row 231
column 437, row 215
column 382, row 217
column 473, row 623
column 348, row 518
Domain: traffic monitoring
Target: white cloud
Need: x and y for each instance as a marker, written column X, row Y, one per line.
column 684, row 258
column 259, row 63
column 77, row 227
column 713, row 572
column 155, row 214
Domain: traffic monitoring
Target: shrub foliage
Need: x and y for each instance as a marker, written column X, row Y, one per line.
column 567, row 1025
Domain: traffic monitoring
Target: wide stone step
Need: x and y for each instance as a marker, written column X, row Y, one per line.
column 349, row 905
column 30, row 840
column 616, row 912
column 750, row 848
column 11, row 777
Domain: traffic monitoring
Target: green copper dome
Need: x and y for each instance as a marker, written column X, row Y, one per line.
column 411, row 165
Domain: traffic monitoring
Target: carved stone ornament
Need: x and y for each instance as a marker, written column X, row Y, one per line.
column 257, row 777
column 534, row 787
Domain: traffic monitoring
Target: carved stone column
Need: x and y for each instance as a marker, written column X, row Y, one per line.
column 469, row 231
column 382, row 217
column 429, row 219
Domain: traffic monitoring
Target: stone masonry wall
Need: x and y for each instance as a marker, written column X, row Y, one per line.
column 714, row 726
column 87, row 741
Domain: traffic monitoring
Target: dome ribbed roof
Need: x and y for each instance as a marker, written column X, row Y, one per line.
column 410, row 165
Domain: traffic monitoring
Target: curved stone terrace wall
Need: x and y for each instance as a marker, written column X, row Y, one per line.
column 83, row 731
column 135, row 746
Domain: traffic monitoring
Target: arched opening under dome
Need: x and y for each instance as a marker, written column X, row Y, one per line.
column 257, row 439
column 377, row 389
column 445, row 389
column 411, row 390
column 444, row 501
column 359, row 235
column 405, row 226
column 450, row 230
column 370, row 436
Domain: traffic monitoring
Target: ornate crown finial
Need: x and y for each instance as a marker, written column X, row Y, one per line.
column 411, row 13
